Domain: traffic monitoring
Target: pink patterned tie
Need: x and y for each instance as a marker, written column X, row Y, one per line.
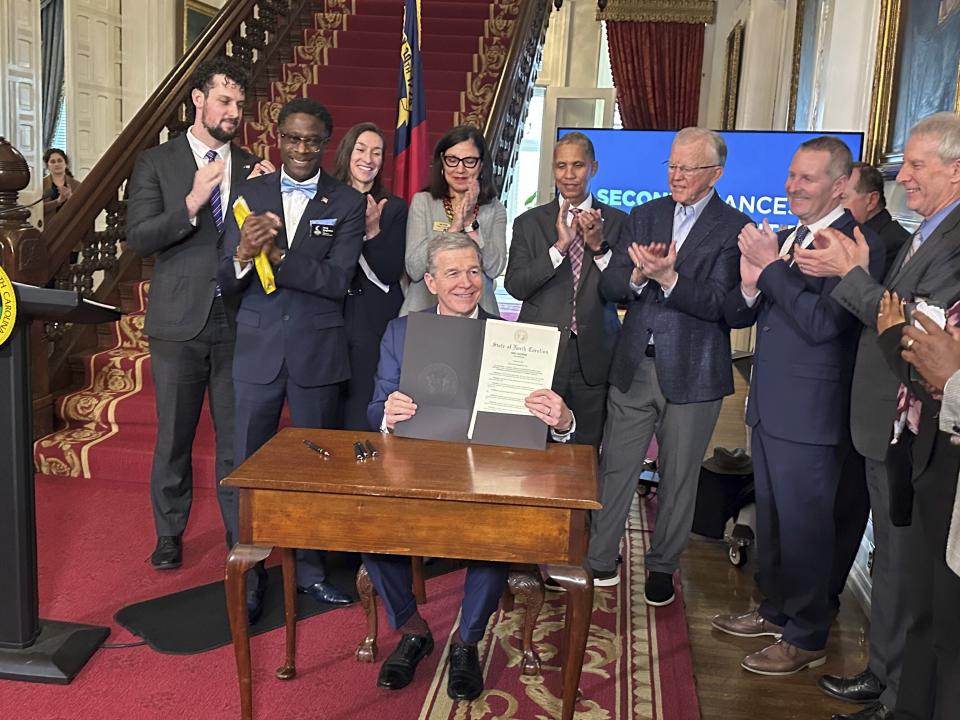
column 575, row 253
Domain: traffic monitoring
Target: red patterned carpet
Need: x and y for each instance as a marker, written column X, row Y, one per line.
column 94, row 540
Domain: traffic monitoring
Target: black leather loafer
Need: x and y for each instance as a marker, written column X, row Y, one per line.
column 168, row 555
column 862, row 688
column 398, row 669
column 875, row 711
column 465, row 679
column 256, row 589
column 324, row 592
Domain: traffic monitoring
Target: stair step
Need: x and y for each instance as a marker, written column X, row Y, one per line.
column 444, row 79
column 363, row 94
column 430, row 26
column 389, row 58
column 478, row 9
column 346, row 116
column 434, row 43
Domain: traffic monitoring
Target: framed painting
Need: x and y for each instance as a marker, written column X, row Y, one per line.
column 731, row 77
column 917, row 73
column 193, row 18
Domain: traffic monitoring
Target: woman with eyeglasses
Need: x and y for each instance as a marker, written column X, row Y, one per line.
column 375, row 297
column 458, row 198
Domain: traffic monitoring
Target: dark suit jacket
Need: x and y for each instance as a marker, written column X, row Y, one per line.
column 692, row 340
column 892, row 234
column 932, row 273
column 391, row 360
column 187, row 256
column 804, row 351
column 302, row 322
column 547, row 292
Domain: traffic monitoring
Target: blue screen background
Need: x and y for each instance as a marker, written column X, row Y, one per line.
column 632, row 169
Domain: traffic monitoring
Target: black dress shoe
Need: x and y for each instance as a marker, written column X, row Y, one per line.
column 324, row 592
column 876, row 711
column 465, row 678
column 256, row 589
column 862, row 688
column 168, row 555
column 397, row 670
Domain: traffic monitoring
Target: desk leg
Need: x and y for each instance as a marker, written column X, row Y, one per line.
column 367, row 649
column 289, row 669
column 578, row 582
column 241, row 559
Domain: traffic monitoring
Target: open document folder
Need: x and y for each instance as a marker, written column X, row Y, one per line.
column 469, row 379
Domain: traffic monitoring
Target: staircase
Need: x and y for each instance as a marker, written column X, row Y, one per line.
column 350, row 62
column 348, row 59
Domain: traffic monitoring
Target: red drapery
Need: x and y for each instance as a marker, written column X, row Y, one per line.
column 656, row 69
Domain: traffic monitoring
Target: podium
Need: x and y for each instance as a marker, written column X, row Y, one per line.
column 32, row 649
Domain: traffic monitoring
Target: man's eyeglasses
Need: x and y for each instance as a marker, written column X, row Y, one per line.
column 686, row 169
column 311, row 143
column 451, row 161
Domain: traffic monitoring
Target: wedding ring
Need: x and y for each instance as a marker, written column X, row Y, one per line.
column 589, row 227
column 910, row 342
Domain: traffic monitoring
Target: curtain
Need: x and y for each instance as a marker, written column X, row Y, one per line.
column 656, row 70
column 51, row 29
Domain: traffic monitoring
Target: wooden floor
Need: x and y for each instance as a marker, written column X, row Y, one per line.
column 711, row 585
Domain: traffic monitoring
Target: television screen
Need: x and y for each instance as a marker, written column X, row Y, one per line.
column 633, row 168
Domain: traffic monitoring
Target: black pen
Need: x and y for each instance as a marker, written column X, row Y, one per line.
column 316, row 448
column 372, row 449
column 358, row 451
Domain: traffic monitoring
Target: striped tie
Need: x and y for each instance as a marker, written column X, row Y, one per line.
column 915, row 242
column 215, row 205
column 798, row 239
column 575, row 253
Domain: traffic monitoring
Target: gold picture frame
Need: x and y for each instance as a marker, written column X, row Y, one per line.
column 731, row 77
column 192, row 19
column 795, row 65
column 892, row 108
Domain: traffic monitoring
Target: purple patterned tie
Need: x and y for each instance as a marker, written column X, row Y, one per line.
column 215, row 205
column 575, row 253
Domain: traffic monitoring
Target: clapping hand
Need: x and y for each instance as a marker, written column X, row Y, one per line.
column 890, row 312
column 374, row 211
column 205, row 179
column 565, row 233
column 591, row 224
column 758, row 245
column 833, row 254
column 257, row 233
column 657, row 261
column 261, row 168
column 935, row 353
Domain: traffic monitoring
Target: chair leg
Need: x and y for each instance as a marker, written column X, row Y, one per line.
column 528, row 585
column 419, row 586
column 367, row 649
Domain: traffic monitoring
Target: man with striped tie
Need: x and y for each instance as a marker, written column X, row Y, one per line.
column 178, row 192
column 798, row 411
column 291, row 341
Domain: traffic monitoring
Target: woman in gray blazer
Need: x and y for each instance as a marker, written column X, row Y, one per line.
column 459, row 198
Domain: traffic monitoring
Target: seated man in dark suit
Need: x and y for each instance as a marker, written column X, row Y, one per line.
column 291, row 343
column 455, row 276
column 798, row 410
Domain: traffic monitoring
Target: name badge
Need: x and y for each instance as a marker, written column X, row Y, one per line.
column 323, row 228
column 439, row 226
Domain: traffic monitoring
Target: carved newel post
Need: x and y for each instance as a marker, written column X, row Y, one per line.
column 23, row 253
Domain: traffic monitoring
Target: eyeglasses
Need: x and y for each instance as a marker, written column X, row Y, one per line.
column 686, row 169
column 311, row 143
column 451, row 161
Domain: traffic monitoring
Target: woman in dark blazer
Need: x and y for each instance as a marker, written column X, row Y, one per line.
column 375, row 296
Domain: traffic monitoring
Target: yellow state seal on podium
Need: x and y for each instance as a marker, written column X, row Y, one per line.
column 8, row 307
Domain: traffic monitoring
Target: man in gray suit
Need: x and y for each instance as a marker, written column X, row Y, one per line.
column 556, row 257
column 179, row 193
column 674, row 265
column 925, row 267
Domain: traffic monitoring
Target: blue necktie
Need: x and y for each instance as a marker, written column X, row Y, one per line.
column 216, row 206
column 288, row 184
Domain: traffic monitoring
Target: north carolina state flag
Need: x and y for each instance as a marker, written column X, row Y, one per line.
column 410, row 151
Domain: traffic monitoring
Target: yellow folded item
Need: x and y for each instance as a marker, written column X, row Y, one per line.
column 241, row 211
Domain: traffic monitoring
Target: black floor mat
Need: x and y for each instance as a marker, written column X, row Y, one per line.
column 195, row 620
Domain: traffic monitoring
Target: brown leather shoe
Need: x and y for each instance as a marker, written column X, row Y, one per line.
column 782, row 658
column 749, row 624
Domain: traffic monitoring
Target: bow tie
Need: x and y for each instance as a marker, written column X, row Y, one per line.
column 288, row 184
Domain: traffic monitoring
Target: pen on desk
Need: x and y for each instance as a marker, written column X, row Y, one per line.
column 316, row 448
column 358, row 450
column 372, row 449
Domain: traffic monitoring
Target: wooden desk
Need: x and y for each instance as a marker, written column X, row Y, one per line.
column 417, row 497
